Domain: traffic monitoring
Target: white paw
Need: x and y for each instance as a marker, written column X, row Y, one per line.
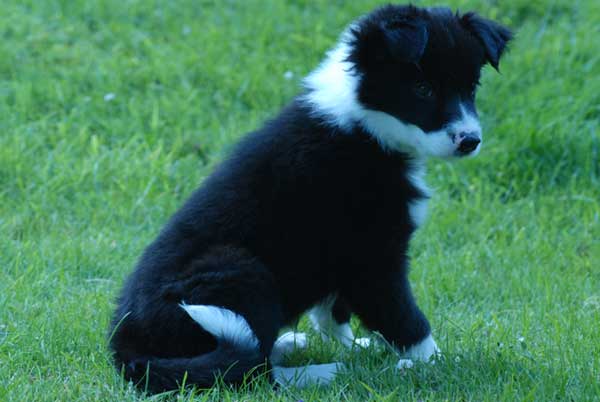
column 286, row 344
column 292, row 340
column 362, row 342
column 426, row 350
column 316, row 374
column 404, row 364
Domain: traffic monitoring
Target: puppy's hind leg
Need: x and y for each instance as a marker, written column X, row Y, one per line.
column 286, row 344
column 314, row 374
column 302, row 376
column 231, row 294
column 331, row 318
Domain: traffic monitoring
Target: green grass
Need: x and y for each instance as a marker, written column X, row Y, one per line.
column 507, row 268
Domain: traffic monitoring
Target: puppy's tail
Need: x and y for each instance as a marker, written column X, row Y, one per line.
column 234, row 359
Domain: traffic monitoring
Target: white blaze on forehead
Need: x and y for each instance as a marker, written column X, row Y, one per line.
column 467, row 123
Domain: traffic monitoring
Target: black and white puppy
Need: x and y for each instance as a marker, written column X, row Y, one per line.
column 314, row 210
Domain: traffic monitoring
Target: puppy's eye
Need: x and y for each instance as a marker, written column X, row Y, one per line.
column 424, row 90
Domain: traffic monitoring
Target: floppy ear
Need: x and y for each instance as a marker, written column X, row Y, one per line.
column 405, row 38
column 378, row 41
column 492, row 35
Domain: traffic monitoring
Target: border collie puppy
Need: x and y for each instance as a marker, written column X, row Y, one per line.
column 313, row 211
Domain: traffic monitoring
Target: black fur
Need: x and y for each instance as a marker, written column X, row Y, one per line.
column 493, row 36
column 298, row 211
column 433, row 46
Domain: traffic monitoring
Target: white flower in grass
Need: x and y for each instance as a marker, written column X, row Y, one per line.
column 109, row 97
column 288, row 75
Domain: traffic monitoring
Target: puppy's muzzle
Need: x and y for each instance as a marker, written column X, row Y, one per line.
column 467, row 142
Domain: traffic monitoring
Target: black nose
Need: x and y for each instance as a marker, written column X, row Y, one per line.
column 468, row 143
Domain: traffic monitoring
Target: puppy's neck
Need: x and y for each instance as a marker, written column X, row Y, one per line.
column 332, row 95
column 332, row 87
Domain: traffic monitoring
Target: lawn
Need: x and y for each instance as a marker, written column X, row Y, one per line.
column 112, row 112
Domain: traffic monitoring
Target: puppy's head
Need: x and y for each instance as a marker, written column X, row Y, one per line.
column 409, row 76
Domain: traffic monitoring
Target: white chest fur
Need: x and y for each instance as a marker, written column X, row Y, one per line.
column 417, row 209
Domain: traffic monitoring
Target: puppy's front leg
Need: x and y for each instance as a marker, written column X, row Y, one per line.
column 331, row 318
column 385, row 304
